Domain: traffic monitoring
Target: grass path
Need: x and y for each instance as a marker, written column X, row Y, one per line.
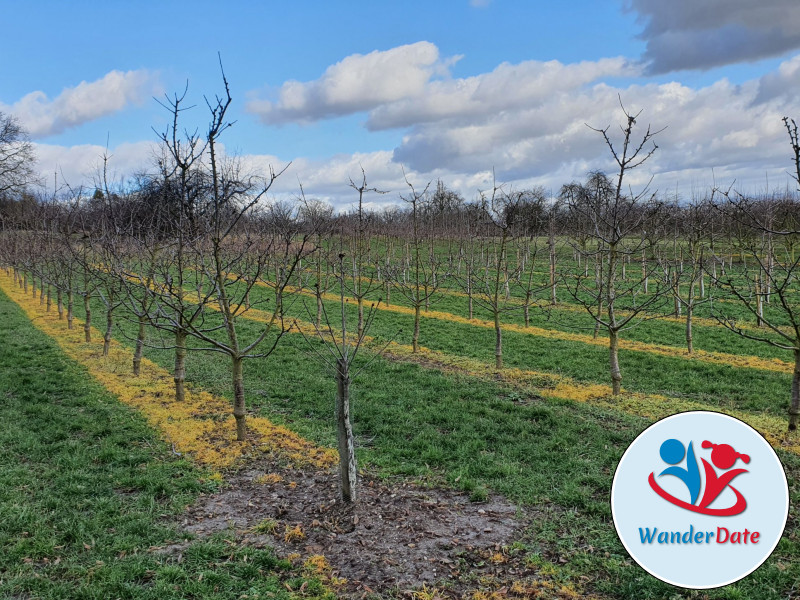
column 202, row 426
column 547, row 385
column 720, row 358
column 567, row 306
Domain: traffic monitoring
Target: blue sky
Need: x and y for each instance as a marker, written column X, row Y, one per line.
column 450, row 89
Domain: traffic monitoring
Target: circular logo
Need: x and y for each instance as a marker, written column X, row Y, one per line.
column 699, row 499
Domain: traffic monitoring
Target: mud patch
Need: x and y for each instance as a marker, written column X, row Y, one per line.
column 398, row 536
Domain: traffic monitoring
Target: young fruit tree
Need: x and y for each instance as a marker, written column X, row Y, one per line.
column 231, row 247
column 609, row 226
column 339, row 352
column 488, row 283
column 772, row 266
column 425, row 278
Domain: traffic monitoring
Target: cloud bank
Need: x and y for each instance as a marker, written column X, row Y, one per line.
column 527, row 122
column 358, row 83
column 87, row 101
column 701, row 34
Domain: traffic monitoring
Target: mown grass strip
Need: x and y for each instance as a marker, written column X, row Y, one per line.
column 201, row 426
column 569, row 306
column 720, row 358
column 547, row 385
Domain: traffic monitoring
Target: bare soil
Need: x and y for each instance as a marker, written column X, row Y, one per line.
column 398, row 537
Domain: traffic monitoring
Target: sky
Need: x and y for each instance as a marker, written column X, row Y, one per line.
column 467, row 91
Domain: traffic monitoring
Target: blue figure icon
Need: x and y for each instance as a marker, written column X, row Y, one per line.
column 672, row 452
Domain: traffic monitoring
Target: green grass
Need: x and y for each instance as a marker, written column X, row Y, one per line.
column 556, row 458
column 716, row 385
column 88, row 491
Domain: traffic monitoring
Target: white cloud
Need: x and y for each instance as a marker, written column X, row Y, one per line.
column 81, row 165
column 85, row 102
column 507, row 87
column 692, row 34
column 528, row 123
column 357, row 83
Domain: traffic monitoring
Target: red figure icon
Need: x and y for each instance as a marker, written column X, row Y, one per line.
column 724, row 457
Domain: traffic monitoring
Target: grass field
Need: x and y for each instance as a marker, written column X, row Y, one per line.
column 555, row 456
column 90, row 495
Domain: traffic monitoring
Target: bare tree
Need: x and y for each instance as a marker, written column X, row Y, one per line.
column 230, row 250
column 613, row 222
column 425, row 278
column 771, row 264
column 362, row 282
column 17, row 159
column 794, row 140
column 317, row 216
column 339, row 353
column 687, row 281
column 488, row 283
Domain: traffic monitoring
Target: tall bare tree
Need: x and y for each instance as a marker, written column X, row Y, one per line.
column 772, row 265
column 613, row 221
column 230, row 252
column 17, row 158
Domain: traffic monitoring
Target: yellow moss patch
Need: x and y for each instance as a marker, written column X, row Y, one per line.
column 292, row 534
column 268, row 478
column 202, row 426
column 427, row 593
column 317, row 564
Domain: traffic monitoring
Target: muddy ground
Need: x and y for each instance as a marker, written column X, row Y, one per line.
column 399, row 537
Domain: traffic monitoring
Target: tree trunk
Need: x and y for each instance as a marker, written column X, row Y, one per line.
column 415, row 338
column 645, row 277
column 794, row 408
column 360, row 316
column 238, row 399
column 676, row 294
column 137, row 354
column 616, row 374
column 49, row 304
column 180, row 365
column 597, row 321
column 344, row 433
column 689, row 311
column 319, row 308
column 60, row 303
column 759, row 300
column 552, row 244
column 69, row 309
column 87, row 324
column 109, row 331
column 470, row 310
column 526, row 311
column 498, row 347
